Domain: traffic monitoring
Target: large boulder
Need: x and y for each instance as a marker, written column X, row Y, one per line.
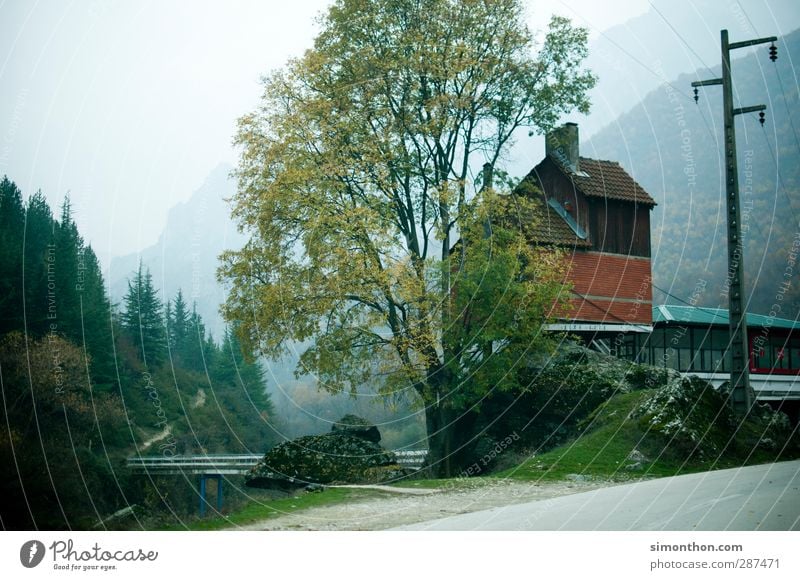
column 688, row 415
column 692, row 419
column 337, row 457
column 358, row 427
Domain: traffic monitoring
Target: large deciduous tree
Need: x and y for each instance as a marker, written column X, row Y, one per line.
column 356, row 182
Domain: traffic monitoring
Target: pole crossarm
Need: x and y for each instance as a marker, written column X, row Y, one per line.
column 707, row 83
column 753, row 109
column 746, row 43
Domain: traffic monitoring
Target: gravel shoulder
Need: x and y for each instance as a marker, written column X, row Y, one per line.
column 393, row 507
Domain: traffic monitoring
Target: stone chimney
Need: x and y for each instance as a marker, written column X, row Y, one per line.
column 562, row 144
column 488, row 176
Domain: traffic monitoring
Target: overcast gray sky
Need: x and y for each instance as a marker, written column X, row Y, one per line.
column 129, row 105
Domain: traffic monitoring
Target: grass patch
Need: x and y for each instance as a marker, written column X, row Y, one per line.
column 464, row 483
column 600, row 452
column 610, row 435
column 259, row 510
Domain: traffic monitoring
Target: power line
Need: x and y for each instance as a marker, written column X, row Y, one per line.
column 778, row 174
column 708, row 309
column 632, row 57
column 678, row 34
column 604, row 310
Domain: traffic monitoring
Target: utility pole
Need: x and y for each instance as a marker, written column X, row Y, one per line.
column 740, row 393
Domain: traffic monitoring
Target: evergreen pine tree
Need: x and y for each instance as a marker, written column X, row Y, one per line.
column 68, row 250
column 40, row 268
column 96, row 318
column 247, row 377
column 179, row 322
column 12, row 223
column 193, row 352
column 143, row 319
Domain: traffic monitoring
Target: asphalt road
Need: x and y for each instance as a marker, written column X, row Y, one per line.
column 761, row 497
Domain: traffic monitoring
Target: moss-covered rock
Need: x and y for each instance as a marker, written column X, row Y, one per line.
column 355, row 425
column 337, row 457
column 690, row 419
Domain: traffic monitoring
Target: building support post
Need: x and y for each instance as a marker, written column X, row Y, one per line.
column 202, row 496
column 203, row 500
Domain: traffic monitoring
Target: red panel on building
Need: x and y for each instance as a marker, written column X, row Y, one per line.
column 610, row 288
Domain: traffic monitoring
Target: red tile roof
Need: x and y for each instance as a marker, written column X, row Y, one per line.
column 607, row 179
column 604, row 179
column 551, row 229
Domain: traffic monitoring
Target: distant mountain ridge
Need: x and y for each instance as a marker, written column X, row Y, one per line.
column 671, row 38
column 674, row 149
column 185, row 256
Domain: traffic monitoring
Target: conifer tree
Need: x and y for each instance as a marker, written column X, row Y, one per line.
column 143, row 318
column 40, row 268
column 96, row 318
column 12, row 223
column 179, row 322
column 67, row 251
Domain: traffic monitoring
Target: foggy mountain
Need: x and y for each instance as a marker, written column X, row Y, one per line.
column 658, row 40
column 186, row 253
column 674, row 149
column 186, row 257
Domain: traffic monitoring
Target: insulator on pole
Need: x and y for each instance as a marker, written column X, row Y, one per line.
column 761, row 117
column 773, row 52
column 696, row 95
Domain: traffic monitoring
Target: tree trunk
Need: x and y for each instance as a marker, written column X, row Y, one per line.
column 440, row 430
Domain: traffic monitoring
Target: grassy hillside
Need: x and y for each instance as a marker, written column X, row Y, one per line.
column 682, row 428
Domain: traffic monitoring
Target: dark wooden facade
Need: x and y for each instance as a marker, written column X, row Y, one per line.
column 596, row 211
column 614, row 226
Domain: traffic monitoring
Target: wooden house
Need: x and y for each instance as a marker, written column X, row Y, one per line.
column 600, row 216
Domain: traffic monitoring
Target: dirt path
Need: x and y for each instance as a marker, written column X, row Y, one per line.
column 156, row 438
column 392, row 509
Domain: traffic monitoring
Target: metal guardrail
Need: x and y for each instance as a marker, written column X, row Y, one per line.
column 216, row 466
column 233, row 464
column 413, row 458
column 194, row 464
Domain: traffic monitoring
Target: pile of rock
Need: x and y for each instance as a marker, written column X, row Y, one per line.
column 350, row 453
